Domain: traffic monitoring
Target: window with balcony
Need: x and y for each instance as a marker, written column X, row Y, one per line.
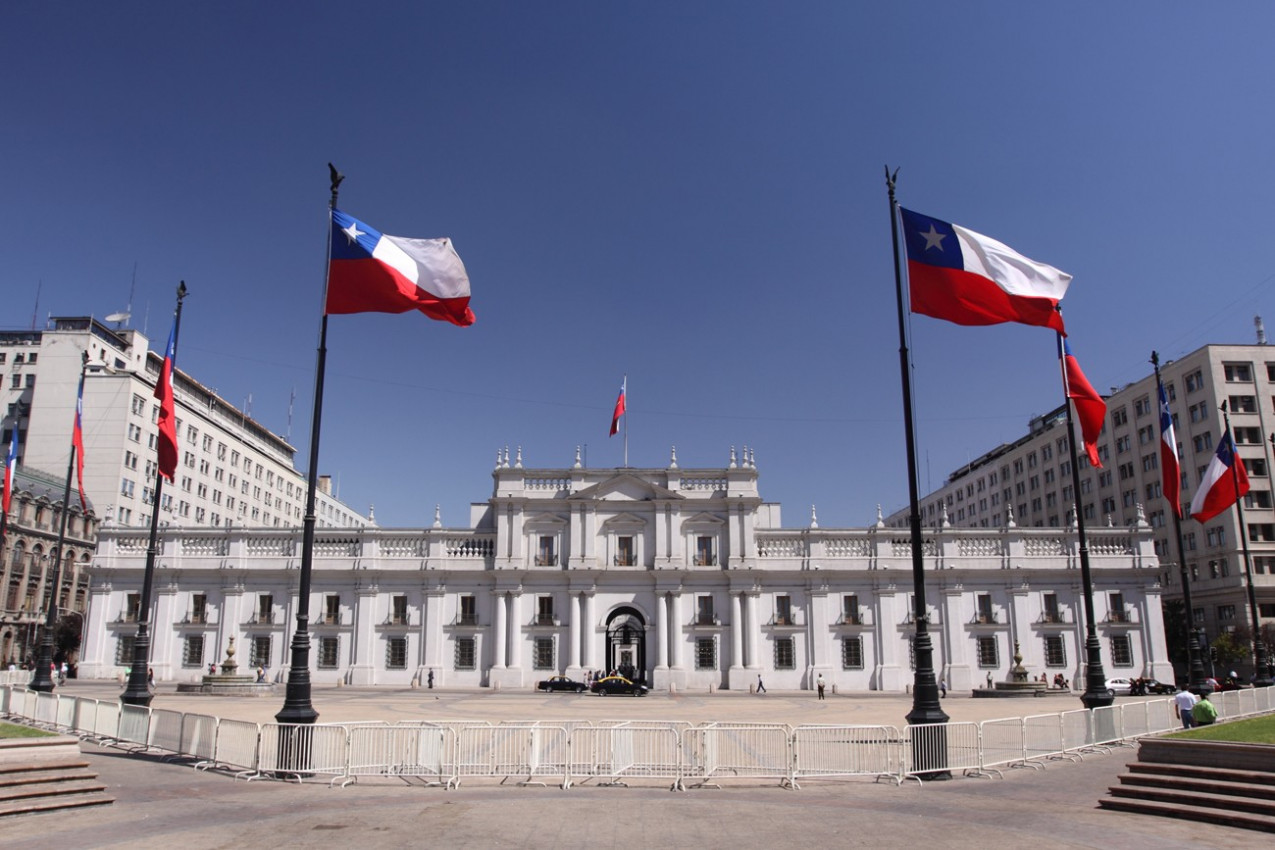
column 704, row 556
column 984, row 612
column 198, row 608
column 625, row 551
column 1117, row 613
column 468, row 610
column 398, row 610
column 546, row 554
column 544, row 611
column 704, row 615
column 1051, row 612
column 332, row 609
column 783, row 610
column 850, row 610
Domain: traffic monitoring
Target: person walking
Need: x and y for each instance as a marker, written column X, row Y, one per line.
column 429, row 680
column 761, row 689
column 819, row 685
column 1184, row 700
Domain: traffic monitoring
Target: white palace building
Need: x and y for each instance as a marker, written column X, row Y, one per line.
column 678, row 577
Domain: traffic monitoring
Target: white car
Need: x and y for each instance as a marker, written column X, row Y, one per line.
column 1121, row 686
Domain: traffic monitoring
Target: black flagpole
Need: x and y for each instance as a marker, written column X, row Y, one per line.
column 929, row 751
column 1097, row 694
column 297, row 706
column 138, row 691
column 1261, row 672
column 1195, row 665
column 43, row 680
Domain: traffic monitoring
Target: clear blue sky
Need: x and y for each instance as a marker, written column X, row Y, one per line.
column 687, row 193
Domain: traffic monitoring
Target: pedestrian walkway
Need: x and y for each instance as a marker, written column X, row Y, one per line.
column 160, row 804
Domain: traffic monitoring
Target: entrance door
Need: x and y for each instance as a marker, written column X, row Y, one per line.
column 626, row 644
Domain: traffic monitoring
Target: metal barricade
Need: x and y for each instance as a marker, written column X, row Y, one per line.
column 1108, row 724
column 198, row 738
column 238, row 748
column 85, row 716
column 1162, row 716
column 529, row 751
column 754, row 750
column 106, row 722
column 1043, row 736
column 297, row 751
column 165, row 731
column 934, row 748
column 134, row 726
column 1134, row 720
column 30, row 699
column 1077, row 730
column 1003, row 743
column 46, row 710
column 628, row 750
column 418, row 751
column 65, row 719
column 6, row 694
column 825, row 752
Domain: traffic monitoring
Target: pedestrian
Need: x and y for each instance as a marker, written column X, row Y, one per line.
column 819, row 685
column 429, row 680
column 62, row 674
column 150, row 677
column 761, row 689
column 1204, row 713
column 1185, row 702
column 261, row 673
column 942, row 689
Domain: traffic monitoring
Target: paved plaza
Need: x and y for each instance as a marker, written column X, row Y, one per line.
column 161, row 804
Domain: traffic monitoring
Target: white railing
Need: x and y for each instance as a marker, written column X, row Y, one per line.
column 609, row 752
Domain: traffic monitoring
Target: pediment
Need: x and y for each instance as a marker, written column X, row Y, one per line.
column 543, row 522
column 624, row 487
column 703, row 519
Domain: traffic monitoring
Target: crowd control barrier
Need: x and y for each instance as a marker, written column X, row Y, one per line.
column 609, row 752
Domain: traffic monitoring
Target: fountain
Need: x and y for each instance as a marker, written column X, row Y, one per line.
column 1019, row 684
column 227, row 682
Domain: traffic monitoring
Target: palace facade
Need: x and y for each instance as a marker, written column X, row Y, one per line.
column 678, row 577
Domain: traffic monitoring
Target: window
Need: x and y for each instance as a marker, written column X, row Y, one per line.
column 198, row 608
column 466, row 652
column 1142, row 406
column 985, row 613
column 329, row 653
column 1123, row 444
column 1238, row 373
column 193, row 651
column 785, row 654
column 1247, row 436
column 1195, row 381
column 706, row 653
column 332, row 609
column 542, row 654
column 468, row 611
column 1051, row 612
column 259, row 656
column 625, row 552
column 988, row 652
column 1242, row 403
column 1119, row 417
column 1261, row 532
column 1055, row 651
column 545, row 555
column 1226, row 612
column 783, row 610
column 544, row 611
column 1150, row 462
column 396, row 653
column 1121, row 651
column 704, row 552
column 1146, row 434
column 124, row 650
column 852, row 653
column 398, row 610
column 704, row 615
column 850, row 609
column 1115, row 607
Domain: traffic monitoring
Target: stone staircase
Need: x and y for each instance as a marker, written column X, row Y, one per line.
column 1204, row 781
column 46, row 775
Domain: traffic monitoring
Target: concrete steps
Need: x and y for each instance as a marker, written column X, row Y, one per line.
column 46, row 775
column 1186, row 779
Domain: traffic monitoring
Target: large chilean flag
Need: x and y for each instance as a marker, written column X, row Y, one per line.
column 971, row 279
column 1220, row 487
column 372, row 272
column 1170, row 473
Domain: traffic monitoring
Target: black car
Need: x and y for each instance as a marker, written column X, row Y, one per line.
column 560, row 683
column 617, row 685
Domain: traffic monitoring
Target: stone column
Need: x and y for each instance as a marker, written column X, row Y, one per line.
column 500, row 638
column 675, row 627
column 736, row 677
column 514, row 657
column 589, row 630
column 754, row 662
column 573, row 644
column 362, row 652
column 661, row 632
column 431, row 652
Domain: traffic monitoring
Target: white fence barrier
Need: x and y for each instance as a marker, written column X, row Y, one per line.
column 610, row 751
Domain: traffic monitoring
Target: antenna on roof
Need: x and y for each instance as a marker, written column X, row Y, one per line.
column 36, row 312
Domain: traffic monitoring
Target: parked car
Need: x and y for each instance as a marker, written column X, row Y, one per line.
column 1154, row 686
column 1121, row 686
column 561, row 683
column 617, row 685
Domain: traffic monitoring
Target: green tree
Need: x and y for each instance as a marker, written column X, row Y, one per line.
column 1231, row 647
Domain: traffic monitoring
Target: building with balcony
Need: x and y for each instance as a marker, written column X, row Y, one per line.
column 231, row 469
column 1030, row 481
column 30, row 548
column 677, row 577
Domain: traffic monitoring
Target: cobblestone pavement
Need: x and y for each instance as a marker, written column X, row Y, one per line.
column 161, row 804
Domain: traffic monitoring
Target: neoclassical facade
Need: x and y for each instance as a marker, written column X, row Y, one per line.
column 679, row 577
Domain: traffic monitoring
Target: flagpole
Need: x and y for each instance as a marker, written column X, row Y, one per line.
column 1195, row 664
column 1260, row 669
column 1097, row 694
column 297, row 705
column 626, row 421
column 929, row 751
column 43, row 680
column 138, row 691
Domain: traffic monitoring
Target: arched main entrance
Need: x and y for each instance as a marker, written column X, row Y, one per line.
column 626, row 644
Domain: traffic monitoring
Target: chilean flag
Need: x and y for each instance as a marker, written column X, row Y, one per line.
column 1170, row 471
column 167, row 415
column 970, row 279
column 1220, row 487
column 10, row 467
column 619, row 408
column 77, row 445
column 1090, row 408
column 372, row 272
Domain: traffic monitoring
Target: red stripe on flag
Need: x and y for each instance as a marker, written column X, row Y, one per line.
column 965, row 298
